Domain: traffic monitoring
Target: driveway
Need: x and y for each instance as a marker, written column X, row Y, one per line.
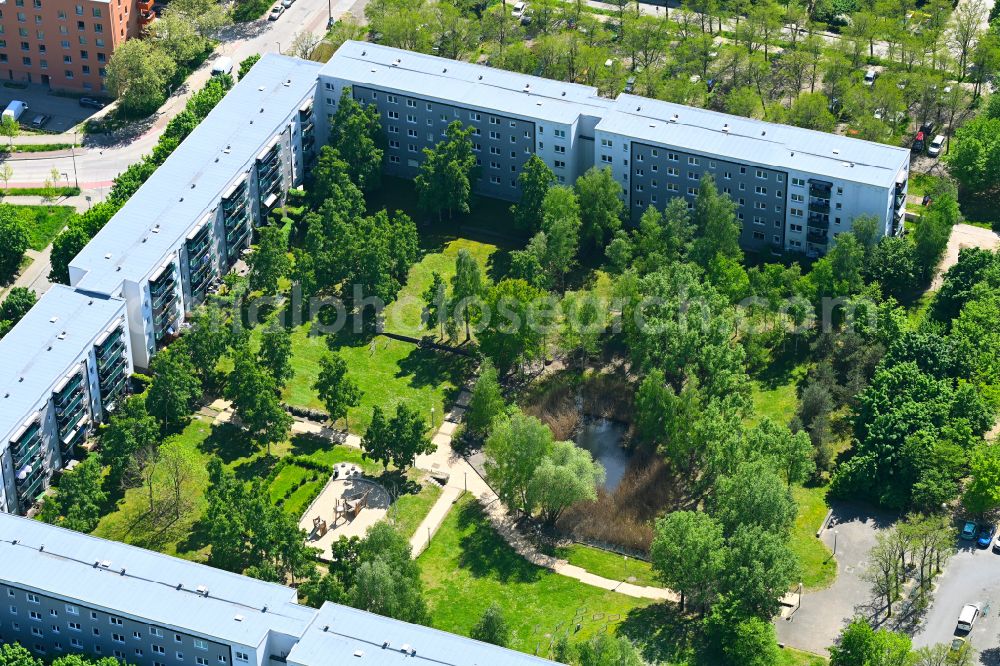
column 964, row 235
column 65, row 112
column 971, row 576
column 818, row 621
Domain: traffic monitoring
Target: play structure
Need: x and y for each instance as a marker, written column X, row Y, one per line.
column 347, row 506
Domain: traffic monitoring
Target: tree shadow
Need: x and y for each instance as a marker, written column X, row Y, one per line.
column 484, row 553
column 427, row 367
column 990, row 657
column 662, row 632
column 228, row 442
column 257, row 467
column 782, row 368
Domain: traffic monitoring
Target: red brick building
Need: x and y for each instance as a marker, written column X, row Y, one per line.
column 66, row 44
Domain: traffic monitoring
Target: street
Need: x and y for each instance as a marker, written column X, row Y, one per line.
column 971, row 576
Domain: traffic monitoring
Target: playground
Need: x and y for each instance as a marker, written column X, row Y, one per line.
column 347, row 506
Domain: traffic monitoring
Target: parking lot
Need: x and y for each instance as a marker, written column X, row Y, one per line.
column 971, row 576
column 64, row 112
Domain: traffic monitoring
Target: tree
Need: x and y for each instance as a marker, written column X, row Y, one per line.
column 130, row 429
column 534, row 180
column 961, row 279
column 790, row 454
column 303, row 44
column 931, row 236
column 584, row 321
column 14, row 240
column 12, row 654
column 138, row 73
column 605, row 650
column 10, row 129
column 356, row 135
column 758, row 570
column 514, row 451
column 860, row 645
column 398, row 440
column 732, row 638
column 381, row 589
column 6, row 173
column 208, row 340
column 335, row 388
column 446, row 175
column 486, row 402
column 492, row 627
column 275, row 352
column 601, row 207
column 177, row 468
column 466, row 289
column 566, row 476
column 435, row 297
column 514, row 329
column 754, row 495
column 687, row 555
column 254, row 393
column 247, row 63
column 982, row 493
column 19, row 300
column 269, row 262
column 974, row 155
column 717, row 230
column 810, row 110
column 174, row 388
column 79, row 499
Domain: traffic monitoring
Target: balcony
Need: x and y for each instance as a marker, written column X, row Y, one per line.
column 71, row 406
column 27, row 449
column 68, row 428
column 819, row 205
column 68, row 448
column 111, row 348
column 29, row 488
column 820, row 188
column 818, row 221
column 110, row 369
column 164, row 301
column 145, row 5
column 145, row 18
column 65, row 392
column 168, row 316
column 199, row 246
column 110, row 360
column 818, row 237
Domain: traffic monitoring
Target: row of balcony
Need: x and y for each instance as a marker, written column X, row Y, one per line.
column 26, row 448
column 67, row 426
column 30, row 487
column 113, row 346
column 164, row 282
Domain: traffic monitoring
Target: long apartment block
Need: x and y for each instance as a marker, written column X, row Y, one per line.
column 795, row 189
column 62, row 592
column 65, row 367
column 190, row 222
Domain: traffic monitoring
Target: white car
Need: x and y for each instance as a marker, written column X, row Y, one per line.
column 287, row 3
column 967, row 618
column 519, row 8
column 276, row 13
column 870, row 77
column 934, row 149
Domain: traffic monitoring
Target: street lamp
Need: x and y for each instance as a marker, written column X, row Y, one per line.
column 72, row 152
column 835, row 534
column 432, row 417
column 279, row 47
column 800, row 597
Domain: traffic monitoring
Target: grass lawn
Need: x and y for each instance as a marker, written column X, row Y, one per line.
column 387, row 372
column 609, row 565
column 793, row 657
column 403, row 316
column 778, row 403
column 410, row 510
column 819, row 568
column 468, row 566
column 43, row 222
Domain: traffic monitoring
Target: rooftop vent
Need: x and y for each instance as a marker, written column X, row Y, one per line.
column 262, row 109
column 203, row 590
column 180, row 586
column 264, row 609
column 61, row 336
column 107, row 256
column 363, row 52
column 261, row 89
column 763, row 132
column 53, row 320
column 725, row 128
column 444, row 71
column 41, row 549
column 326, row 627
column 563, row 93
column 836, row 152
column 359, row 653
column 105, row 564
column 480, row 77
column 385, row 644
column 238, row 618
column 405, row 648
column 122, row 572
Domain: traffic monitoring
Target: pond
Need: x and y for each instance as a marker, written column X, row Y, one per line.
column 603, row 438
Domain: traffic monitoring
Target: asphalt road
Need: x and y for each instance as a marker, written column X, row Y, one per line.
column 971, row 576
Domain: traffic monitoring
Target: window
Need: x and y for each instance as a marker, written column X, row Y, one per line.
column 560, row 164
column 55, row 629
column 118, row 638
column 393, row 115
column 200, row 644
column 158, row 649
column 201, row 661
column 760, row 190
column 475, row 132
column 35, row 631
column 475, row 116
column 672, row 171
column 694, row 161
column 494, row 120
column 606, row 159
column 759, row 205
column 412, row 119
column 693, row 175
column 561, row 150
column 393, row 159
column 36, row 616
column 15, row 626
column 494, row 165
column 779, row 177
column 241, row 656
column 797, row 212
column 640, row 172
column 758, row 235
column 21, row 18
column 779, row 194
column 156, row 631
column 797, row 227
column 412, row 103
column 513, row 139
column 494, row 135
column 75, row 642
column 762, row 174
column 392, row 129
column 560, row 134
column 743, row 187
column 32, row 598
column 838, row 205
column 606, row 143
column 412, row 133
column 798, row 198
column 74, row 626
column 137, row 635
column 495, row 180
column 13, row 610
column 672, row 157
column 693, row 191
column 494, row 150
column 81, row 26
column 639, row 188
column 68, row 73
column 779, row 209
column 836, row 220
column 116, row 621
column 391, row 99
column 728, row 175
column 654, row 168
column 84, row 55
column 180, row 656
column 743, row 171
column 840, row 190
column 97, row 12
column 711, row 164
column 799, row 182
column 742, row 201
column 775, row 239
column 671, row 187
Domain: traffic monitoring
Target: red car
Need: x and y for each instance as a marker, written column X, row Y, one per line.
column 918, row 143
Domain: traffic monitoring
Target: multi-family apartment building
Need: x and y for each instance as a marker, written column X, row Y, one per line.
column 62, row 592
column 189, row 223
column 795, row 189
column 66, row 44
column 65, row 365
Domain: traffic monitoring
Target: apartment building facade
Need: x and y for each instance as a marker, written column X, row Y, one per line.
column 192, row 220
column 63, row 592
column 66, row 364
column 794, row 189
column 66, row 44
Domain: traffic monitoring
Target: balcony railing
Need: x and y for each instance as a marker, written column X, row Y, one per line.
column 72, row 385
column 819, row 205
column 164, row 300
column 66, row 428
column 24, row 453
column 110, row 369
column 29, row 488
column 108, row 351
column 71, row 406
column 166, row 317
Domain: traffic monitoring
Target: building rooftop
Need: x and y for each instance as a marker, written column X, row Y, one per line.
column 480, row 86
column 158, row 216
column 341, row 635
column 745, row 139
column 40, row 349
column 132, row 581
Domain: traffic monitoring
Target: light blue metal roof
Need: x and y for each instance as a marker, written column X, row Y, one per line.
column 137, row 239
column 146, row 585
column 40, row 349
column 754, row 141
column 342, row 635
column 464, row 83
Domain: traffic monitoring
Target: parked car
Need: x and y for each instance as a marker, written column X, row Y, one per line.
column 918, row 143
column 986, row 532
column 519, row 8
column 276, row 13
column 968, row 531
column 870, row 76
column 927, row 127
column 936, row 144
column 287, row 3
column 15, row 109
column 39, row 121
column 630, row 85
column 91, row 103
column 967, row 618
column 959, row 646
column 222, row 65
